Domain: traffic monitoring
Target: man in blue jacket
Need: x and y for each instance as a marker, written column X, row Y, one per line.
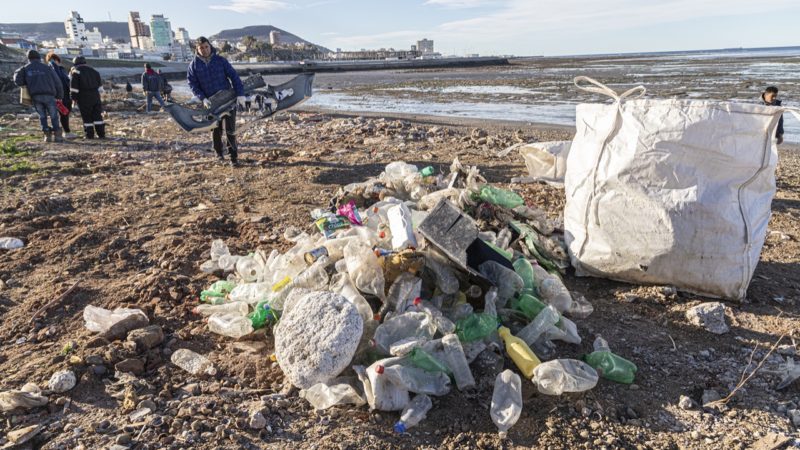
column 151, row 84
column 44, row 87
column 208, row 74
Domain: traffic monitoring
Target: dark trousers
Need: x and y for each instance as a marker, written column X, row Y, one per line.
column 229, row 123
column 92, row 115
column 65, row 119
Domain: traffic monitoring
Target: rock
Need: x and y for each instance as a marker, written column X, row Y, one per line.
column 710, row 315
column 771, row 441
column 316, row 340
column 121, row 329
column 192, row 389
column 709, row 396
column 97, row 341
column 123, row 439
column 685, row 402
column 147, row 337
column 257, row 420
column 787, row 350
column 23, row 435
column 149, row 404
column 794, row 416
column 132, row 365
column 62, row 381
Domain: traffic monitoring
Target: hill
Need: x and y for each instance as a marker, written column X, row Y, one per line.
column 261, row 32
column 48, row 31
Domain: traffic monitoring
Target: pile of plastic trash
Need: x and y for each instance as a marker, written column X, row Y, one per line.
column 431, row 270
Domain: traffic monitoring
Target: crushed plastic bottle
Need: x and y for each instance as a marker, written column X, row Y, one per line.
column 100, row 320
column 250, row 293
column 506, row 401
column 565, row 330
column 262, row 315
column 446, row 279
column 519, row 352
column 228, row 262
column 551, row 289
column 217, row 292
column 417, row 380
column 500, row 197
column 580, row 308
column 454, row 357
column 507, row 281
column 341, row 284
column 383, row 395
column 219, row 249
column 443, row 324
column 192, row 362
column 564, row 375
column 240, row 308
column 314, row 277
column 414, row 413
column 546, row 319
column 476, row 326
column 323, row 396
column 418, row 357
column 403, row 326
column 609, row 365
column 364, row 269
column 402, row 293
column 248, row 269
column 529, row 306
column 524, row 269
column 231, row 325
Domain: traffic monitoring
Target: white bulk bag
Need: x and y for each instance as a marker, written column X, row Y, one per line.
column 674, row 192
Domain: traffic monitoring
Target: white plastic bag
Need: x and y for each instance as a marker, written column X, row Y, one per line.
column 672, row 192
column 545, row 161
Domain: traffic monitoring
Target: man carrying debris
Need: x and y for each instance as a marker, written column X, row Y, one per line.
column 208, row 74
column 151, row 84
column 770, row 97
column 44, row 88
column 86, row 86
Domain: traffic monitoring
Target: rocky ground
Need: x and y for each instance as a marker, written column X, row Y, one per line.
column 128, row 220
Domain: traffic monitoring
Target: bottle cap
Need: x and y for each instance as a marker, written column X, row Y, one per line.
column 379, row 369
column 399, row 427
column 417, row 301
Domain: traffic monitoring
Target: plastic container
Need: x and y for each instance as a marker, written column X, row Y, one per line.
column 506, row 401
column 192, row 362
column 403, row 326
column 400, row 224
column 564, row 375
column 240, row 308
column 383, row 394
column 413, row 413
column 364, row 269
column 323, row 396
column 100, row 320
column 547, row 318
column 519, row 352
column 455, row 359
column 500, row 197
column 610, row 366
column 231, row 325
column 418, row 380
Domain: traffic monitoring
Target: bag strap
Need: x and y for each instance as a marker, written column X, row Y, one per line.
column 602, row 89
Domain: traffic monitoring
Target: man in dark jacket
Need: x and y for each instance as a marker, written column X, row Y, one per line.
column 55, row 62
column 166, row 88
column 151, row 83
column 208, row 74
column 86, row 85
column 770, row 97
column 44, row 88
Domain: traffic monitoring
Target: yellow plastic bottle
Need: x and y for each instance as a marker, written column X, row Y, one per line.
column 520, row 353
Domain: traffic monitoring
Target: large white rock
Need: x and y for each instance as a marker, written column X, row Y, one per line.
column 316, row 340
column 62, row 381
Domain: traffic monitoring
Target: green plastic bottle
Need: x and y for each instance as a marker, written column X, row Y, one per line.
column 262, row 315
column 425, row 361
column 529, row 305
column 610, row 366
column 476, row 326
column 215, row 294
column 524, row 269
column 500, row 197
column 428, row 171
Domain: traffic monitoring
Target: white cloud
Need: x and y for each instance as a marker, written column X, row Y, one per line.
column 461, row 4
column 252, row 6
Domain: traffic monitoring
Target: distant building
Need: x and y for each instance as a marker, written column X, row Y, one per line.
column 182, row 36
column 161, row 31
column 22, row 44
column 77, row 33
column 274, row 38
column 413, row 48
column 138, row 30
column 425, row 46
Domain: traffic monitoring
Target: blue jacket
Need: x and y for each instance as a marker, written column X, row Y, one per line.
column 64, row 77
column 776, row 102
column 151, row 81
column 39, row 78
column 206, row 80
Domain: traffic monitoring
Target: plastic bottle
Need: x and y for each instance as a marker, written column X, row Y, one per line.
column 457, row 361
column 507, row 281
column 580, row 308
column 217, row 291
column 231, row 325
column 314, row 277
column 417, row 380
column 564, row 375
column 402, row 293
column 500, row 197
column 529, row 306
column 443, row 324
column 565, row 330
column 248, row 269
column 610, row 366
column 262, row 315
column 218, row 249
column 418, row 357
column 250, row 293
column 459, row 312
column 228, row 262
column 476, row 326
column 503, row 238
column 547, row 318
column 364, row 269
column 402, row 326
column 396, row 172
column 341, row 284
column 192, row 362
column 519, row 352
column 506, row 401
column 414, row 413
column 323, row 396
column 524, row 269
column 551, row 289
column 385, row 395
column 446, row 279
column 240, row 308
column 401, row 226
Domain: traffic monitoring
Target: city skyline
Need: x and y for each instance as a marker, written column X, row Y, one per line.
column 473, row 26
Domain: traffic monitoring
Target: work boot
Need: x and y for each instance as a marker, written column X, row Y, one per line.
column 48, row 136
column 88, row 132
column 59, row 136
column 101, row 131
column 234, row 162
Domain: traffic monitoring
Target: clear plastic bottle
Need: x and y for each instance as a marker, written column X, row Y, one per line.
column 401, row 226
column 565, row 330
column 507, row 281
column 192, row 362
column 99, row 320
column 314, row 277
column 506, row 401
column 239, row 308
column 385, row 395
column 564, row 375
column 457, row 361
column 547, row 318
column 364, row 269
column 323, row 396
column 402, row 293
column 443, row 324
column 414, row 413
column 341, row 284
column 228, row 262
column 446, row 279
column 218, row 249
column 551, row 289
column 231, row 325
column 402, row 326
column 418, row 380
column 248, row 269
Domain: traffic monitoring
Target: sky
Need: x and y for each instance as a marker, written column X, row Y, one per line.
column 487, row 27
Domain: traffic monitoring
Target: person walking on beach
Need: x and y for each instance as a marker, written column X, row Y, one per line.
column 45, row 88
column 208, row 74
column 770, row 98
column 86, row 86
column 55, row 63
column 151, row 84
column 166, row 88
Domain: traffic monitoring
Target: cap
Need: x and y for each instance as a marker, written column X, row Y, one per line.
column 79, row 60
column 379, row 369
column 399, row 427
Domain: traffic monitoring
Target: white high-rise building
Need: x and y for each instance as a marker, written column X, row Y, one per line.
column 182, row 36
column 75, row 28
column 425, row 46
column 274, row 38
